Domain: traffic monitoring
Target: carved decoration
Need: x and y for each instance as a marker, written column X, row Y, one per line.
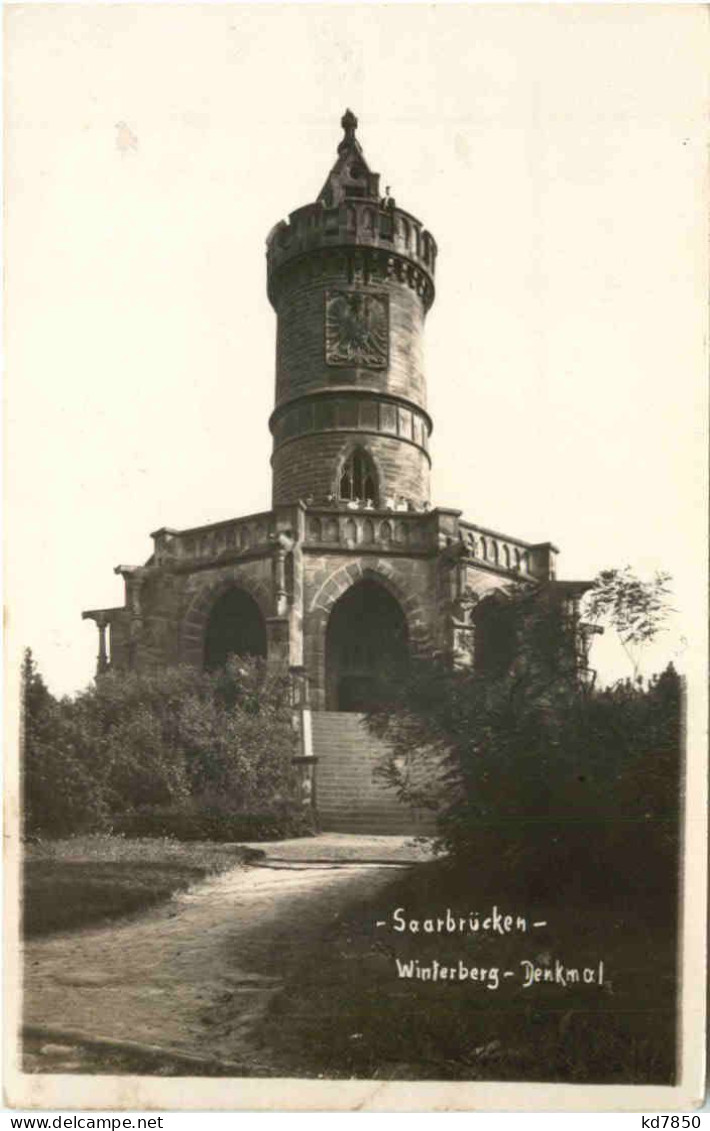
column 464, row 606
column 463, row 646
column 356, row 329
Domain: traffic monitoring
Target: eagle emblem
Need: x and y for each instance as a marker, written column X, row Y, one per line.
column 356, row 329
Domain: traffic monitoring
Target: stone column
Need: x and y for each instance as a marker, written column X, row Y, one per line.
column 102, row 661
column 283, row 545
column 133, row 580
column 102, row 620
column 280, row 594
column 305, row 762
column 277, row 642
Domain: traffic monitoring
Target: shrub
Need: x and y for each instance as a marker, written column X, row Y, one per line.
column 205, row 822
column 170, row 740
column 59, row 790
column 522, row 765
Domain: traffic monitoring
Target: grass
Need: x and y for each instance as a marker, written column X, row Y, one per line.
column 347, row 1014
column 85, row 881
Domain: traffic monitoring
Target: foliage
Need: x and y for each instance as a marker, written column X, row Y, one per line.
column 57, row 783
column 635, row 609
column 166, row 738
column 205, row 822
column 493, row 751
column 483, row 736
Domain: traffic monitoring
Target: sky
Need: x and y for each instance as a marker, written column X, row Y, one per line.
column 558, row 155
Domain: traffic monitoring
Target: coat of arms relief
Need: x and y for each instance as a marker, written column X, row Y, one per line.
column 356, row 329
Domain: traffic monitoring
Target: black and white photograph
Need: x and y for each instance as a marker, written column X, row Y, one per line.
column 356, row 556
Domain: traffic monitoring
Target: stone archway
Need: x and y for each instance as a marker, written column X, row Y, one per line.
column 332, row 588
column 196, row 617
column 366, row 637
column 235, row 626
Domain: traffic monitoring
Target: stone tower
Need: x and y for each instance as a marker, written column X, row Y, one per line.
column 351, row 278
column 352, row 567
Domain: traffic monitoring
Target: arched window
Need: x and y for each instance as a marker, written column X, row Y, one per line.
column 358, row 479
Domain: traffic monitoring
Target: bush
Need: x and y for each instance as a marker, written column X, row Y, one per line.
column 519, row 763
column 59, row 790
column 204, row 822
column 172, row 740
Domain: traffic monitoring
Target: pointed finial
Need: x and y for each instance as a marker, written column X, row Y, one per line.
column 349, row 124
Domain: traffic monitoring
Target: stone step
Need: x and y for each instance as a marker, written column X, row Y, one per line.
column 376, row 826
column 399, row 821
column 404, row 824
column 349, row 798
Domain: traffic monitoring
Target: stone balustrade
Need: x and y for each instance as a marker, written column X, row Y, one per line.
column 393, row 530
column 497, row 550
column 360, row 527
column 502, row 552
column 207, row 543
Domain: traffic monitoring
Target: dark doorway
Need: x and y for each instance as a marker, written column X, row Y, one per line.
column 495, row 637
column 236, row 627
column 366, row 638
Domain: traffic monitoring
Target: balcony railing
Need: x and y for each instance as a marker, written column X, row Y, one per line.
column 205, row 543
column 393, row 530
column 497, row 550
column 362, row 527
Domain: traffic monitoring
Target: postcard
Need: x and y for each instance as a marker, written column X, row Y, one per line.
column 356, row 559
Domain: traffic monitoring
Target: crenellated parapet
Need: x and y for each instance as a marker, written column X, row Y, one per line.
column 378, row 241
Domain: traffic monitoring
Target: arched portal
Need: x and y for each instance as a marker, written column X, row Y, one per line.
column 235, row 627
column 366, row 637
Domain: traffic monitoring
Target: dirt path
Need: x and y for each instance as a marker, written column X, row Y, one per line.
column 161, row 979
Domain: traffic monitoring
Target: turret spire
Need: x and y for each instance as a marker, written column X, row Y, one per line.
column 349, row 124
column 351, row 175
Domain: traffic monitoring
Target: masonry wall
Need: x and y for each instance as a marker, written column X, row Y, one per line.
column 311, row 465
column 319, row 400
column 300, row 355
column 165, row 622
column 201, row 590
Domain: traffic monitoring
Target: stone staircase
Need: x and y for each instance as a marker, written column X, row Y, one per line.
column 348, row 797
